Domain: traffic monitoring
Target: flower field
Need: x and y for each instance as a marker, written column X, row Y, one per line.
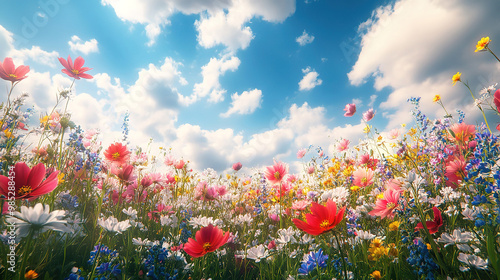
column 422, row 203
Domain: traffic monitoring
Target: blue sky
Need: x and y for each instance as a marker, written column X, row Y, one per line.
column 221, row 81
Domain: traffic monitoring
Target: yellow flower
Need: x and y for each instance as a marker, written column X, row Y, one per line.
column 436, row 98
column 456, row 78
column 482, row 44
column 380, row 196
column 60, row 178
column 30, row 275
column 367, row 129
column 394, row 226
column 376, row 275
column 8, row 134
column 354, row 188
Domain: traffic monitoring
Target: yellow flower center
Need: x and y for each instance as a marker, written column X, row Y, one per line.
column 76, row 72
column 116, row 155
column 324, row 224
column 13, row 75
column 364, row 180
column 390, row 205
column 24, row 190
column 207, row 246
column 277, row 175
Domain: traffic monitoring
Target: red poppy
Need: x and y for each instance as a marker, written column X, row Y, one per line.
column 208, row 239
column 321, row 219
column 432, row 226
column 117, row 153
column 75, row 70
column 496, row 99
column 28, row 182
column 9, row 72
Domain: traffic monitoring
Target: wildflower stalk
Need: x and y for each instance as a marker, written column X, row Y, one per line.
column 492, row 53
column 479, row 106
column 25, row 254
column 341, row 256
column 491, row 249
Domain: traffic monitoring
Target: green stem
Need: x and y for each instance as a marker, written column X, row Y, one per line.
column 24, row 255
column 341, row 256
column 478, row 105
column 493, row 53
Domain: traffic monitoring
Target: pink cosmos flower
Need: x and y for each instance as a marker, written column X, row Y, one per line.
column 394, row 134
column 301, row 153
column 75, row 70
column 300, row 205
column 276, row 172
column 9, row 72
column 350, row 109
column 124, row 173
column 271, row 245
column 463, row 132
column 455, row 172
column 237, row 166
column 368, row 115
column 117, row 153
column 221, row 190
column 363, row 159
column 385, row 207
column 343, row 145
column 204, row 192
column 29, row 182
column 362, row 177
column 169, row 160
column 179, row 164
column 310, row 169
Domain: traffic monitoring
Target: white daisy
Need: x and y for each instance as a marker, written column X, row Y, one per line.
column 111, row 224
column 38, row 219
column 258, row 253
column 473, row 261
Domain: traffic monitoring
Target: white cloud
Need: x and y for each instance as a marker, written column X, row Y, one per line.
column 210, row 86
column 310, row 79
column 373, row 97
column 221, row 21
column 244, row 104
column 6, row 42
column 77, row 45
column 36, row 54
column 304, row 39
column 426, row 53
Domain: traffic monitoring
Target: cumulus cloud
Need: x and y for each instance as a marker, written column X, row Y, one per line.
column 221, row 22
column 245, row 103
column 77, row 45
column 304, row 39
column 210, row 86
column 310, row 79
column 426, row 53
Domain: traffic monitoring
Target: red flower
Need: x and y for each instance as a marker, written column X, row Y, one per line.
column 276, row 172
column 117, row 153
column 208, row 239
column 28, row 182
column 322, row 218
column 75, row 70
column 496, row 99
column 124, row 173
column 237, row 166
column 432, row 226
column 9, row 72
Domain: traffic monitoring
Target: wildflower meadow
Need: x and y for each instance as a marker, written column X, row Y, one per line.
column 416, row 203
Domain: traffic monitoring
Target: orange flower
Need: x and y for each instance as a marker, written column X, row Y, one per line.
column 482, row 44
column 208, row 239
column 436, row 98
column 30, row 275
column 322, row 218
column 456, row 78
column 376, row 275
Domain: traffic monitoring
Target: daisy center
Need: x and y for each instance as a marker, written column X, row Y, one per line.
column 116, row 155
column 76, row 72
column 13, row 75
column 207, row 246
column 391, row 205
column 277, row 175
column 24, row 190
column 324, row 224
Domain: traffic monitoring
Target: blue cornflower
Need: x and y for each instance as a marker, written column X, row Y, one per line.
column 314, row 260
